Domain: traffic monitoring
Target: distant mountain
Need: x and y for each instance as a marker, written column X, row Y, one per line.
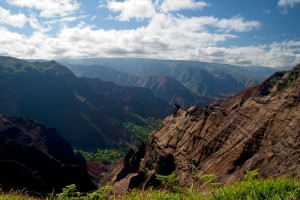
column 88, row 112
column 35, row 158
column 168, row 89
column 208, row 81
column 259, row 128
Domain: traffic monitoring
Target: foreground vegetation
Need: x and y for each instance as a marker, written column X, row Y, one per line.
column 250, row 188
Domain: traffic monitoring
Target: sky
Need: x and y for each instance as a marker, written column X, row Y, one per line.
column 239, row 32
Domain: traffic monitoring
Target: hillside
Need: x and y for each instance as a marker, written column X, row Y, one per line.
column 258, row 128
column 205, row 81
column 88, row 112
column 35, row 158
column 168, row 89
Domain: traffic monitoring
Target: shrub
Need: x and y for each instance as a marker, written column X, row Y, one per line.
column 251, row 175
column 69, row 192
column 168, row 181
column 210, row 180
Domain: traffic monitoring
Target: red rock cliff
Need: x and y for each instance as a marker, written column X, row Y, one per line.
column 257, row 128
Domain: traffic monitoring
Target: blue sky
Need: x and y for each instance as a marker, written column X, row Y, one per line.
column 248, row 32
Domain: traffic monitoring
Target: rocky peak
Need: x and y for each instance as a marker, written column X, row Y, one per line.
column 258, row 128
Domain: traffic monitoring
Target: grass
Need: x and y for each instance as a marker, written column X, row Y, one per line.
column 256, row 189
column 16, row 195
column 279, row 188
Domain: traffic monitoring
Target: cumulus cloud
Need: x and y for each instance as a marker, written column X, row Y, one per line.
column 138, row 9
column 166, row 36
column 175, row 5
column 84, row 42
column 48, row 8
column 15, row 20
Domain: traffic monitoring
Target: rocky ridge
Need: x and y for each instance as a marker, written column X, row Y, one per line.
column 258, row 128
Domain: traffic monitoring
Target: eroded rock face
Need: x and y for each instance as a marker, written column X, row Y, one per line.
column 37, row 159
column 258, row 128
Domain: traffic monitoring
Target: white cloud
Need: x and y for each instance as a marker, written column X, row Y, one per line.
column 48, row 8
column 166, row 36
column 285, row 4
column 148, row 42
column 14, row 44
column 175, row 5
column 138, row 9
column 288, row 3
column 277, row 54
column 15, row 20
column 237, row 24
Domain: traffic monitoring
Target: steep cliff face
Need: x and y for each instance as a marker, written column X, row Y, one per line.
column 257, row 128
column 37, row 159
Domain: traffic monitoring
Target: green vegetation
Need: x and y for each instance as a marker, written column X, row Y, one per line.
column 256, row 189
column 279, row 188
column 283, row 81
column 103, row 155
column 71, row 192
column 290, row 80
column 14, row 65
column 153, row 195
column 168, row 181
column 17, row 195
column 251, row 175
column 250, row 189
column 210, row 180
column 141, row 132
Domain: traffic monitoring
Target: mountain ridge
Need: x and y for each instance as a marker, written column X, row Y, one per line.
column 255, row 129
column 206, row 81
column 50, row 93
column 167, row 88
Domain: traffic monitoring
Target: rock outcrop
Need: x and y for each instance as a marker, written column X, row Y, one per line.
column 37, row 159
column 258, row 128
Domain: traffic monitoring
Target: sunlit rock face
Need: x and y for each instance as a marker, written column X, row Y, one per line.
column 258, row 128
